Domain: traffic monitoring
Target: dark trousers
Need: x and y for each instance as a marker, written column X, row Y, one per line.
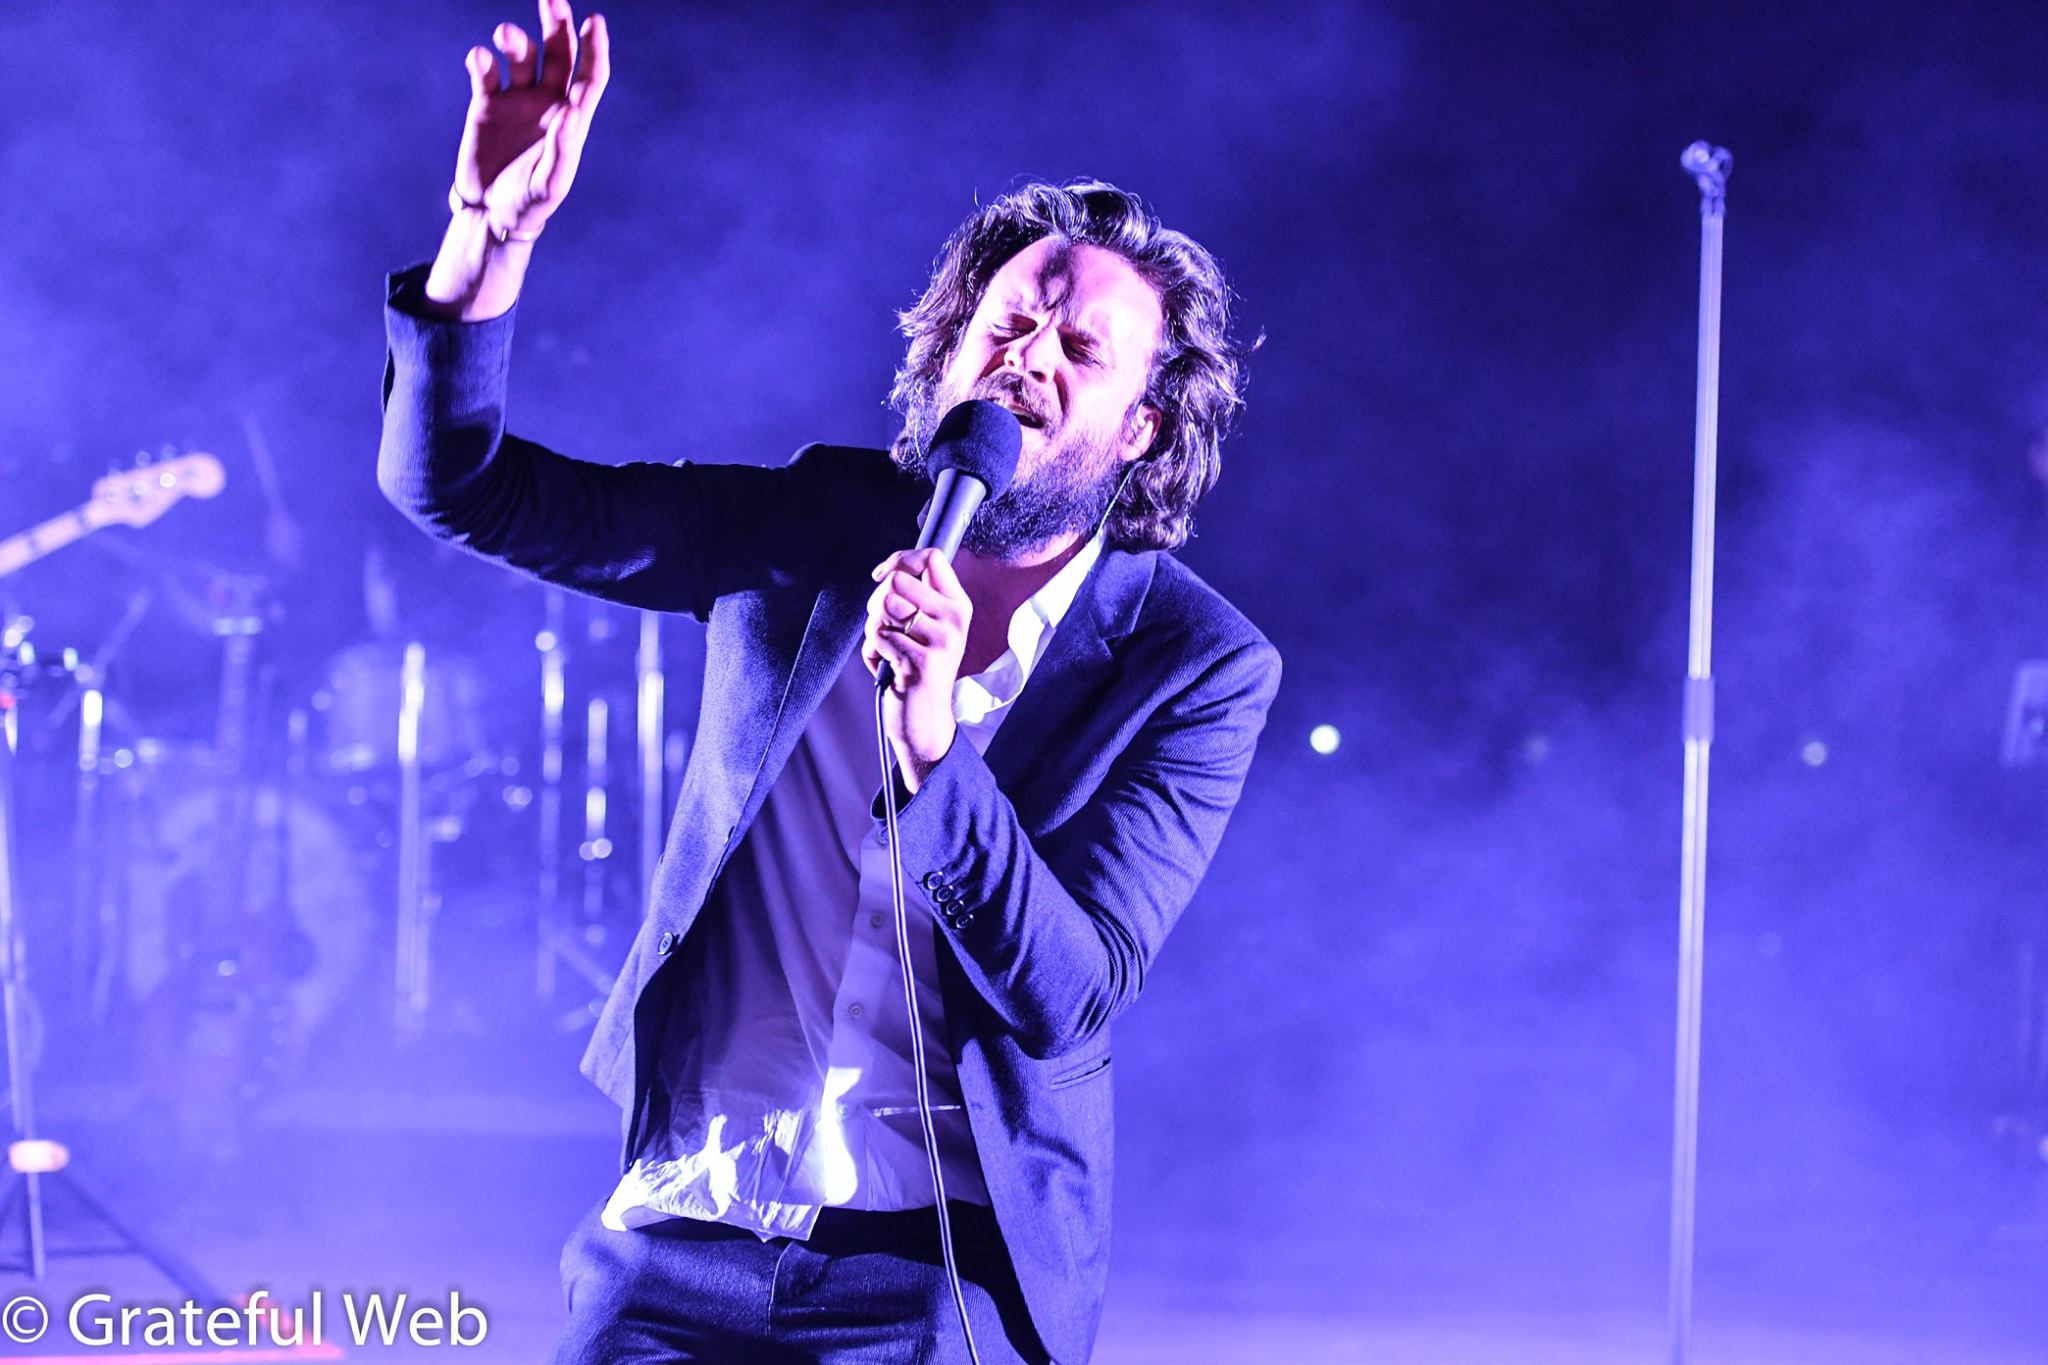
column 864, row 1289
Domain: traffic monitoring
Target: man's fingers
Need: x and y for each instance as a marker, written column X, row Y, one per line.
column 899, row 598
column 569, row 121
column 905, row 656
column 519, row 51
column 922, row 596
column 558, row 45
column 889, row 614
column 482, row 66
column 596, row 71
column 938, row 571
column 900, row 611
column 556, row 164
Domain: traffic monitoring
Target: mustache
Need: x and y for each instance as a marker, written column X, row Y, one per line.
column 1011, row 385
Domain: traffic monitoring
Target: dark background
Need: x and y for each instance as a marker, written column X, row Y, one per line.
column 1417, row 1028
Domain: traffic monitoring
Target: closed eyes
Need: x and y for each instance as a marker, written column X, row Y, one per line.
column 1079, row 347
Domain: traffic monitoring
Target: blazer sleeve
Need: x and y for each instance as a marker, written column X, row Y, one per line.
column 1057, row 937
column 667, row 537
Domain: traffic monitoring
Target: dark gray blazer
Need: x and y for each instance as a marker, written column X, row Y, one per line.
column 1057, row 864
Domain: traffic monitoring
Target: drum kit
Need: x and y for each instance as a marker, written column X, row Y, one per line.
column 231, row 901
column 227, row 909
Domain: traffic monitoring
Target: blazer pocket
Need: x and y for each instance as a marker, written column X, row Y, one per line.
column 1093, row 1067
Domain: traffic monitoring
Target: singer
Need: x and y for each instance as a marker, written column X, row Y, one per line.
column 1071, row 714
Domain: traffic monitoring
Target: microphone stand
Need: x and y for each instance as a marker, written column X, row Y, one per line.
column 1708, row 165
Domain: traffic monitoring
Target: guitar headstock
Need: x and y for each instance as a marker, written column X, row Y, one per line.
column 137, row 497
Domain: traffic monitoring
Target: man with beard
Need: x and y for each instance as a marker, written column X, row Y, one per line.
column 776, row 1201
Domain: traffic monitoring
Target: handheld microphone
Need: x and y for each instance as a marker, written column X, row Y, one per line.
column 973, row 457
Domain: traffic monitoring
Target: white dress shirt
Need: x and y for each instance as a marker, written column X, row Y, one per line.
column 796, row 1091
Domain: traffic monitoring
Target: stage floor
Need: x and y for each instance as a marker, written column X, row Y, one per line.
column 369, row 1201
column 1503, row 1203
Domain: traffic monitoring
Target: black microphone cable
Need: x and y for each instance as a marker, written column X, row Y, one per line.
column 924, row 1102
column 924, row 1105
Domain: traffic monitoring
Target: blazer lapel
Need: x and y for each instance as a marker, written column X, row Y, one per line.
column 1078, row 663
column 832, row 632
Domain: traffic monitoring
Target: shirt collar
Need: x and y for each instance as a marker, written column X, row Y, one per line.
column 1031, row 625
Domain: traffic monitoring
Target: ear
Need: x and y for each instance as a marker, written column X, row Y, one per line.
column 1139, row 433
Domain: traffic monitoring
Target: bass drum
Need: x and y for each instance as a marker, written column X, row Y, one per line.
column 303, row 934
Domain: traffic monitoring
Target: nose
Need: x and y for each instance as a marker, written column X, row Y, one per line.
column 1027, row 354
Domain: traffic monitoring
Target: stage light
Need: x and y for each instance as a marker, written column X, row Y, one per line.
column 1324, row 739
column 1813, row 753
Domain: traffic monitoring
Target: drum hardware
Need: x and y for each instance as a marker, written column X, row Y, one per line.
column 399, row 732
column 95, row 920
column 309, row 917
column 361, row 700
column 554, row 662
column 217, row 983
column 650, row 695
column 2024, row 746
column 596, row 845
column 567, row 939
column 417, row 899
column 33, row 1159
column 2026, row 716
column 395, row 732
column 207, row 1005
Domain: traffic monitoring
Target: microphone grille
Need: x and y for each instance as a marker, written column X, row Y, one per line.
column 981, row 439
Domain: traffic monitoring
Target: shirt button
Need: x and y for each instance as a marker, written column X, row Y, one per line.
column 932, row 880
column 855, row 1011
column 667, row 944
column 875, row 921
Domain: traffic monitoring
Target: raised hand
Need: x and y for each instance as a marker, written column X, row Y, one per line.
column 521, row 144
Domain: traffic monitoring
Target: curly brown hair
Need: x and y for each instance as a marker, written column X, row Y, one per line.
column 1197, row 379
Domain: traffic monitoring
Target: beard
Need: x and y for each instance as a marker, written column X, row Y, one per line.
column 1072, row 486
column 1068, row 492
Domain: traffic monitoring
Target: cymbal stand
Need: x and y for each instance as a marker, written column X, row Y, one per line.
column 95, row 919
column 562, row 935
column 652, row 692
column 32, row 1159
column 553, row 688
column 415, row 895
